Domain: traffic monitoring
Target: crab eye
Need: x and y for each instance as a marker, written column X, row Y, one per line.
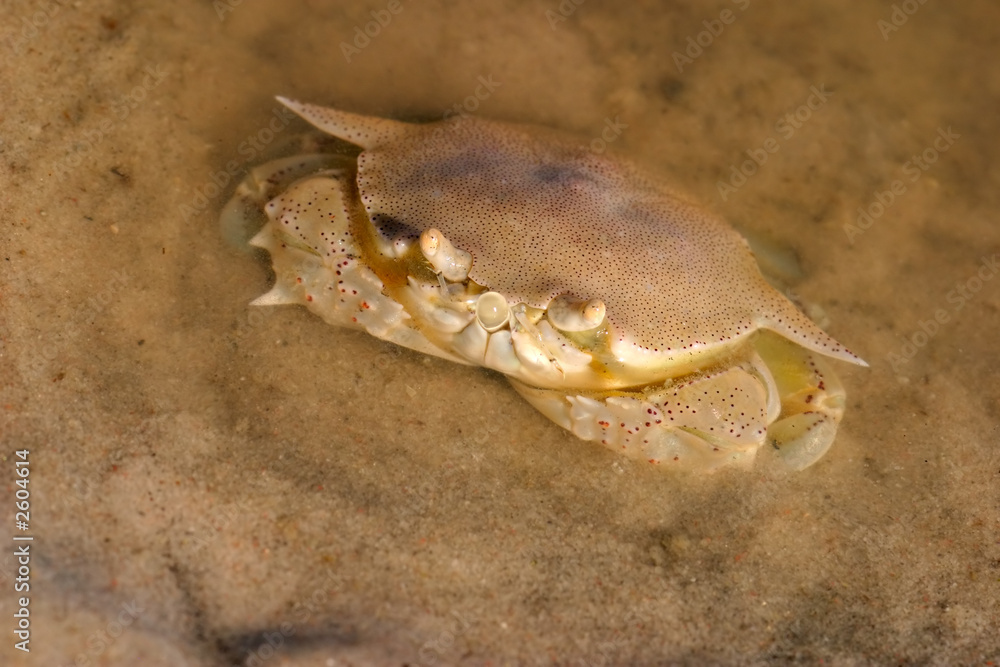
column 451, row 262
column 492, row 311
column 571, row 314
column 430, row 240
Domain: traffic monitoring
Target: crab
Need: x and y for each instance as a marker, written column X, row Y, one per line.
column 620, row 309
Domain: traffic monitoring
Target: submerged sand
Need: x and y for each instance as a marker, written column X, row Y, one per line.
column 216, row 485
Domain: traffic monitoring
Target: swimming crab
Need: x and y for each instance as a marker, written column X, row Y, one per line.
column 623, row 311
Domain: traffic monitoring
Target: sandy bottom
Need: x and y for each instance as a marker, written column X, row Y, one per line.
column 216, row 485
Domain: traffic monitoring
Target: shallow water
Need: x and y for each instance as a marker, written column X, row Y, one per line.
column 210, row 481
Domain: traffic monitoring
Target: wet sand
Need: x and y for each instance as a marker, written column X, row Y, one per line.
column 218, row 485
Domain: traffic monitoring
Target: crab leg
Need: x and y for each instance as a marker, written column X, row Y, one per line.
column 812, row 401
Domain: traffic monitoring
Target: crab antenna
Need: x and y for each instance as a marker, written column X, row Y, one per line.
column 365, row 131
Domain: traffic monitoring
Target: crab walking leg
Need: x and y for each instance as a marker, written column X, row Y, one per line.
column 812, row 401
column 704, row 422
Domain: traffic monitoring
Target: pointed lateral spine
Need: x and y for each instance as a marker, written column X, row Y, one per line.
column 798, row 328
column 365, row 131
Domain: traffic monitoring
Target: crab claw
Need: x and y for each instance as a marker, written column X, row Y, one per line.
column 451, row 262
